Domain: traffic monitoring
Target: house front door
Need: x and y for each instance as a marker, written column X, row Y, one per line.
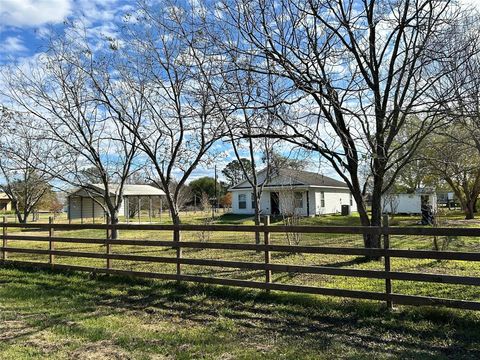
column 274, row 203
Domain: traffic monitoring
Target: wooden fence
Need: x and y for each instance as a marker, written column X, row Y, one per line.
column 388, row 296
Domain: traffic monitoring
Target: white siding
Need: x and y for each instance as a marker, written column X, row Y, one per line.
column 235, row 203
column 89, row 207
column 334, row 199
column 406, row 203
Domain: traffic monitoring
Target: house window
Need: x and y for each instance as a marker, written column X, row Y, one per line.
column 242, row 201
column 351, row 200
column 298, row 199
column 322, row 199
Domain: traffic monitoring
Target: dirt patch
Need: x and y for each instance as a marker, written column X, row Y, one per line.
column 13, row 329
column 100, row 350
column 44, row 343
column 460, row 222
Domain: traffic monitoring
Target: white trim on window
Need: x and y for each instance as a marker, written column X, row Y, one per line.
column 242, row 201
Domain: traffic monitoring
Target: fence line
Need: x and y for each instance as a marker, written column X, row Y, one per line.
column 388, row 296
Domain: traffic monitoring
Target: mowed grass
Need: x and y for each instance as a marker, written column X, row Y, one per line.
column 60, row 315
column 463, row 292
column 79, row 316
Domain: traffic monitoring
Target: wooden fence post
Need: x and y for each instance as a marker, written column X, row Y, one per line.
column 176, row 238
column 108, row 246
column 51, row 243
column 386, row 246
column 266, row 237
column 4, row 236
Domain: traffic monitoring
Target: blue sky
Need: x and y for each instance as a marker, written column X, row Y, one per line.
column 25, row 24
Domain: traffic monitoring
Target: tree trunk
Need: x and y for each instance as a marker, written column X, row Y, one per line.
column 257, row 218
column 114, row 221
column 375, row 219
column 176, row 221
column 470, row 209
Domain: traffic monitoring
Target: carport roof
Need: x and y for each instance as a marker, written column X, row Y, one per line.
column 128, row 190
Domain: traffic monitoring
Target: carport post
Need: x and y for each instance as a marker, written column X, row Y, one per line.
column 127, row 209
column 51, row 244
column 139, row 208
column 4, row 236
column 161, row 207
column 70, row 209
column 150, row 208
column 93, row 210
column 81, row 209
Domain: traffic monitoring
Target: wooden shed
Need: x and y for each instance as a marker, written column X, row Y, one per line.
column 86, row 202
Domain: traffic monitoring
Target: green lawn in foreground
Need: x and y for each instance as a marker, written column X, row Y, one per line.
column 56, row 315
column 77, row 316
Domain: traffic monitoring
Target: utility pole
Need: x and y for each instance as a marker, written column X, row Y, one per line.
column 216, row 192
column 214, row 208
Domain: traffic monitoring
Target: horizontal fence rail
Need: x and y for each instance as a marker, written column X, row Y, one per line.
column 266, row 266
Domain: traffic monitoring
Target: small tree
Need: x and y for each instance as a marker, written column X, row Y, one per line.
column 291, row 202
column 234, row 170
column 226, row 200
column 205, row 202
column 204, row 235
column 22, row 174
column 66, row 91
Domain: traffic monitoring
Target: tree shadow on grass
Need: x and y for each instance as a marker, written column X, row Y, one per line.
column 356, row 261
column 302, row 321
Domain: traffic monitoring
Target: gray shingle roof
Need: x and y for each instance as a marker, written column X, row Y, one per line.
column 297, row 178
column 311, row 178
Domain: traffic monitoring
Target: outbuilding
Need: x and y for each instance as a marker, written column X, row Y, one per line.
column 85, row 202
column 409, row 203
column 290, row 191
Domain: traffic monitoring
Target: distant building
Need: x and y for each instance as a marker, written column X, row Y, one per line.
column 85, row 202
column 5, row 202
column 403, row 203
column 447, row 199
column 294, row 191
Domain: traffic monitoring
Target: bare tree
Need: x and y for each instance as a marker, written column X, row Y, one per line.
column 23, row 178
column 63, row 90
column 167, row 66
column 356, row 70
column 455, row 151
column 454, row 159
column 244, row 120
column 291, row 204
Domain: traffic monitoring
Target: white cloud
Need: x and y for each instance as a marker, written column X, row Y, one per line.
column 12, row 45
column 472, row 3
column 22, row 13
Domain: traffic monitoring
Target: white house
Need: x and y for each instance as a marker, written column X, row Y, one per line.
column 402, row 203
column 302, row 192
column 85, row 202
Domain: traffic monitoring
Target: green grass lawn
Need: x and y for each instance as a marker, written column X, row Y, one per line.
column 138, row 318
column 77, row 316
